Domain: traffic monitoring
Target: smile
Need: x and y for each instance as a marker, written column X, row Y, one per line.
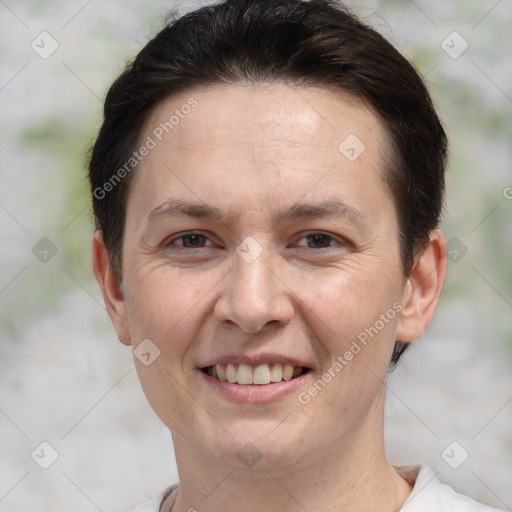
column 262, row 374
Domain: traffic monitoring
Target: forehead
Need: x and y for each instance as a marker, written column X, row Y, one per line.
column 262, row 141
column 312, row 116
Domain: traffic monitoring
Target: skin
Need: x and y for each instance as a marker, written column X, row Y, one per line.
column 251, row 151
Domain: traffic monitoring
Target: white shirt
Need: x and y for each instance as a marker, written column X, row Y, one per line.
column 428, row 495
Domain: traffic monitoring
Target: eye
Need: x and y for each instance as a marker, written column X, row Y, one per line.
column 320, row 240
column 190, row 241
column 315, row 240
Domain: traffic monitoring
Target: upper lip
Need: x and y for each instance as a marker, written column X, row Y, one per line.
column 255, row 360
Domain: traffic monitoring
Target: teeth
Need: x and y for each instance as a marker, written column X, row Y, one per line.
column 262, row 374
column 287, row 372
column 220, row 373
column 244, row 375
column 231, row 372
column 276, row 374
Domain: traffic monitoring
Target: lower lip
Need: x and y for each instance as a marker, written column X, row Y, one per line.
column 255, row 393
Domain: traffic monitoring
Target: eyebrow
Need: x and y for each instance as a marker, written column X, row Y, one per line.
column 300, row 210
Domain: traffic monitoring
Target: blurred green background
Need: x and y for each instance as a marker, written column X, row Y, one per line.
column 62, row 367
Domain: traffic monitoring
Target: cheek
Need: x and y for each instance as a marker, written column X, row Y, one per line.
column 354, row 321
column 166, row 307
column 353, row 317
column 345, row 306
column 162, row 304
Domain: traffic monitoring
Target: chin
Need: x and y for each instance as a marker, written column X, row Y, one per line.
column 256, row 445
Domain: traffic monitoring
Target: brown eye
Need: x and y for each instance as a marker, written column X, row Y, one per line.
column 189, row 241
column 194, row 240
column 321, row 239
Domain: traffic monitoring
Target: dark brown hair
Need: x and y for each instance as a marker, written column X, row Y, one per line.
column 301, row 43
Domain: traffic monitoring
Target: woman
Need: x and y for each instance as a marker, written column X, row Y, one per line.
column 267, row 187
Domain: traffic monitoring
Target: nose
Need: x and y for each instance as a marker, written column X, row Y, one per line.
column 255, row 294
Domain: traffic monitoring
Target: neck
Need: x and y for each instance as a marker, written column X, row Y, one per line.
column 352, row 475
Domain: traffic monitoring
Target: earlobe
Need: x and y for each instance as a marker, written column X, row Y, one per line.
column 422, row 290
column 110, row 288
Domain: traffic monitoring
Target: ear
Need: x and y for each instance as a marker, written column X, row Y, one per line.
column 422, row 289
column 110, row 288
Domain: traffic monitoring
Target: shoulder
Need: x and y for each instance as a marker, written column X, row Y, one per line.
column 429, row 494
column 155, row 504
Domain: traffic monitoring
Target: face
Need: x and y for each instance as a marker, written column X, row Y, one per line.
column 254, row 238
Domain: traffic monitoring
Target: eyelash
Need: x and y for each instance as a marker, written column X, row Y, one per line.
column 332, row 238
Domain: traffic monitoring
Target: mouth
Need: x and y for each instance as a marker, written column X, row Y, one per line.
column 263, row 374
